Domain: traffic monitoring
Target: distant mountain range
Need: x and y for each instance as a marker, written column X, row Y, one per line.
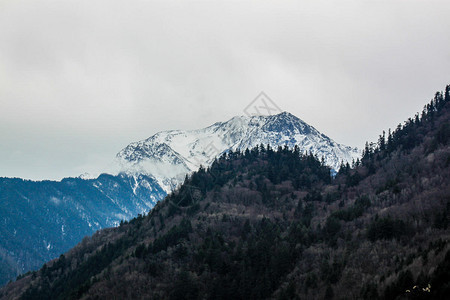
column 42, row 219
column 168, row 156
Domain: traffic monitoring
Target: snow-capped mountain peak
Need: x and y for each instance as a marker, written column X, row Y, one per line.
column 169, row 155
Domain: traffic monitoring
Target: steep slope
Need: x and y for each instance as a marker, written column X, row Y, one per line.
column 169, row 155
column 41, row 220
column 274, row 224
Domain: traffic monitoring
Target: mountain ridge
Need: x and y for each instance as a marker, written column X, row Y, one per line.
column 180, row 152
column 42, row 219
column 274, row 224
column 170, row 161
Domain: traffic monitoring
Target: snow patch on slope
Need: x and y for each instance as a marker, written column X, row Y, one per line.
column 168, row 156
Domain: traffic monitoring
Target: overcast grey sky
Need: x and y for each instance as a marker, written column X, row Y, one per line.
column 79, row 80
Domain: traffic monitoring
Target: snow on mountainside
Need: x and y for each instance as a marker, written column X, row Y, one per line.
column 42, row 219
column 169, row 155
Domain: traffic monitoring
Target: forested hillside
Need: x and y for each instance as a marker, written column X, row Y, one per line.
column 273, row 223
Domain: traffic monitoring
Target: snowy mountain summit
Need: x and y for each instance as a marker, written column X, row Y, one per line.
column 169, row 155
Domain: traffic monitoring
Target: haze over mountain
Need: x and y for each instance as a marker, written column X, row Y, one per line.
column 79, row 82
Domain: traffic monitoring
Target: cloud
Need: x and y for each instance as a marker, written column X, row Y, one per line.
column 79, row 80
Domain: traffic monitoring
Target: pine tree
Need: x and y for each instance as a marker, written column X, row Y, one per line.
column 447, row 94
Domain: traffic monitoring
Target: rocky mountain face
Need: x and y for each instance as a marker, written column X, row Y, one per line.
column 274, row 224
column 169, row 155
column 42, row 219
